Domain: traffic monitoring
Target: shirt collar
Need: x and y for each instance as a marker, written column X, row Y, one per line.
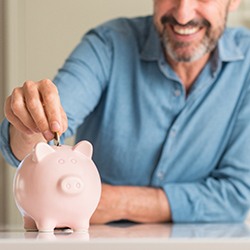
column 227, row 49
column 152, row 49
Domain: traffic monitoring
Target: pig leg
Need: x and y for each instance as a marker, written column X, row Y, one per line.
column 29, row 223
column 46, row 225
column 80, row 226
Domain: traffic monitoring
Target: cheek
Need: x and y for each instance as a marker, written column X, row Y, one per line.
column 218, row 22
column 214, row 13
column 160, row 9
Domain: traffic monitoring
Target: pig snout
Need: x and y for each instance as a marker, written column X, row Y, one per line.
column 71, row 185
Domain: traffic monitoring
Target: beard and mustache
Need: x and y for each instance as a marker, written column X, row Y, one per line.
column 190, row 51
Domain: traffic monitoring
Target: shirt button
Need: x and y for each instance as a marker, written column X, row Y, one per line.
column 172, row 133
column 177, row 92
column 160, row 175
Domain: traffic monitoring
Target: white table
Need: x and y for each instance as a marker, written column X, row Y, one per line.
column 121, row 236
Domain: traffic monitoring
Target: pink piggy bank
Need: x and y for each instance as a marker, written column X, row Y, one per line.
column 57, row 187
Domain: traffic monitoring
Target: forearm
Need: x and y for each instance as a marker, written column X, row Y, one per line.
column 21, row 144
column 146, row 205
column 138, row 204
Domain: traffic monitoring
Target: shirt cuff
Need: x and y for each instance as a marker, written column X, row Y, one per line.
column 5, row 144
column 183, row 209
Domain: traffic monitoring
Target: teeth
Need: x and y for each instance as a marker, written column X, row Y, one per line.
column 185, row 31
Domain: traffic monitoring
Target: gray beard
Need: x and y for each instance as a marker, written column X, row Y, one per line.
column 207, row 45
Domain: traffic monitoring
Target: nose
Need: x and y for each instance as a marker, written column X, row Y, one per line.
column 184, row 11
column 71, row 185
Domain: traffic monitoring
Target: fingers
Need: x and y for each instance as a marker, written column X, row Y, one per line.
column 51, row 105
column 36, row 107
column 13, row 119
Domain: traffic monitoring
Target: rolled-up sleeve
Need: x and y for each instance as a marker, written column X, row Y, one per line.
column 225, row 194
column 5, row 144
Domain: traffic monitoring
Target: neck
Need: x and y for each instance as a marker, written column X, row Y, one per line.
column 188, row 71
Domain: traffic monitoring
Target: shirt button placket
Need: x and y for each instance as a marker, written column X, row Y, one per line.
column 173, row 133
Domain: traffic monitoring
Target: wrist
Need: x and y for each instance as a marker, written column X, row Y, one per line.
column 21, row 144
column 122, row 202
column 164, row 206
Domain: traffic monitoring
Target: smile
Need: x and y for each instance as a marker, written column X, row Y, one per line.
column 185, row 31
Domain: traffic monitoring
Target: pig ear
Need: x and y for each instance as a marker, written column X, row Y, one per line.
column 84, row 147
column 41, row 150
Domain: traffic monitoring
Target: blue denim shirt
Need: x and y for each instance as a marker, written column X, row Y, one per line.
column 120, row 93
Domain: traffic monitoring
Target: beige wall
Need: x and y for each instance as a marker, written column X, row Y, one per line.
column 38, row 37
column 2, row 215
column 49, row 29
column 242, row 15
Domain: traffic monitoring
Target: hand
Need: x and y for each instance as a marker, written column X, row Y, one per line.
column 35, row 108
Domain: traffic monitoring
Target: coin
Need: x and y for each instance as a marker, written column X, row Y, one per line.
column 57, row 139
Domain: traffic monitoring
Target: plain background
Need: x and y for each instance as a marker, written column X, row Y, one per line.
column 36, row 37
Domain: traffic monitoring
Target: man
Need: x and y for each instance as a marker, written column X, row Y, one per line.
column 165, row 102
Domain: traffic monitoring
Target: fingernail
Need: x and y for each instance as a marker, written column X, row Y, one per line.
column 55, row 126
column 48, row 135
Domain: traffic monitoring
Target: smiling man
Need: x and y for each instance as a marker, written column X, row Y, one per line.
column 190, row 31
column 165, row 100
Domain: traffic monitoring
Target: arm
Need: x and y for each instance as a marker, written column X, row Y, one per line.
column 139, row 204
column 35, row 110
column 221, row 196
column 224, row 195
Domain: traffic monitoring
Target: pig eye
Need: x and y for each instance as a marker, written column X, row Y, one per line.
column 61, row 161
column 74, row 161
